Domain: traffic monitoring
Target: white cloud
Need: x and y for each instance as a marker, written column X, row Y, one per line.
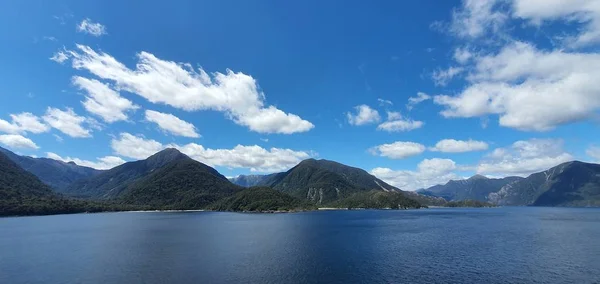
column 136, row 147
column 396, row 123
column 89, row 27
column 17, row 141
column 400, row 125
column 441, row 77
column 363, row 115
column 584, row 12
column 182, row 86
column 476, row 18
column 594, row 153
column 459, row 146
column 103, row 101
column 172, row 124
column 413, row 101
column 429, row 173
column 23, row 122
column 104, row 163
column 462, row 55
column 530, row 89
column 398, row 150
column 524, row 157
column 59, row 57
column 67, row 122
column 254, row 157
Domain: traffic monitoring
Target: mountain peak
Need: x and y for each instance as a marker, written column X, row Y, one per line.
column 477, row 176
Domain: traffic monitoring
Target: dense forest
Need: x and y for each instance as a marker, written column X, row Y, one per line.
column 261, row 199
column 376, row 200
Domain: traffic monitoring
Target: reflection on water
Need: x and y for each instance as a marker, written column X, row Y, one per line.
column 500, row 245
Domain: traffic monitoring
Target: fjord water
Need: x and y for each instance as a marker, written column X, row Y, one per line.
column 497, row 245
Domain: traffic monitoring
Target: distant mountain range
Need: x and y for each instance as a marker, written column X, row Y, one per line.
column 172, row 180
column 477, row 187
column 56, row 174
column 569, row 184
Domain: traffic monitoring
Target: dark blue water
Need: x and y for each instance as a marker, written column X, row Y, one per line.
column 500, row 245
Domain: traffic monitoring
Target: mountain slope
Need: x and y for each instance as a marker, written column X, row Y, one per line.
column 323, row 181
column 111, row 183
column 180, row 184
column 475, row 188
column 22, row 193
column 57, row 174
column 165, row 180
column 261, row 199
column 569, row 184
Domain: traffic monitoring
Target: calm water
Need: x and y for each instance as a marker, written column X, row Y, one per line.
column 501, row 245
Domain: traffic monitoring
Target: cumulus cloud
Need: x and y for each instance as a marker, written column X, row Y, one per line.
column 383, row 102
column 103, row 101
column 103, row 163
column 398, row 150
column 172, row 124
column 459, row 146
column 524, row 157
column 397, row 123
column 16, row 141
column 585, row 12
column 23, row 122
column 254, row 157
column 67, row 122
column 530, row 89
column 429, row 172
column 363, row 114
column 477, row 18
column 181, row 86
column 92, row 28
column 413, row 101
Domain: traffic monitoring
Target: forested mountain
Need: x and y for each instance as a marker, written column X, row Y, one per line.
column 476, row 187
column 111, row 183
column 261, row 199
column 57, row 174
column 323, row 181
column 165, row 180
column 22, row 193
column 569, row 184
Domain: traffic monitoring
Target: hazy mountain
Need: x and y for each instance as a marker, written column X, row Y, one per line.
column 22, row 193
column 477, row 187
column 57, row 174
column 165, row 180
column 569, row 184
column 251, row 180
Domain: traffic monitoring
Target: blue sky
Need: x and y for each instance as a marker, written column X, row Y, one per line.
column 415, row 92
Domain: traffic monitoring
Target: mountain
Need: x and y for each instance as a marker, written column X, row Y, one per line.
column 323, row 181
column 111, row 183
column 568, row 184
column 377, row 199
column 477, row 187
column 22, row 193
column 57, row 174
column 261, row 199
column 165, row 180
column 251, row 180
